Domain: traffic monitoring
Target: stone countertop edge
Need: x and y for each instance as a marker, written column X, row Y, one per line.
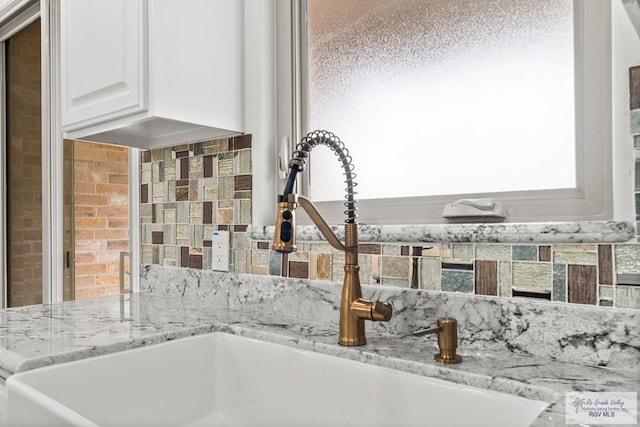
column 539, row 232
column 524, row 376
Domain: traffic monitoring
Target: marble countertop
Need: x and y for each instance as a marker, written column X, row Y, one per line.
column 41, row 335
column 540, row 232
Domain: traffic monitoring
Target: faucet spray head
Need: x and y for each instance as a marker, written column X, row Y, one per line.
column 285, row 235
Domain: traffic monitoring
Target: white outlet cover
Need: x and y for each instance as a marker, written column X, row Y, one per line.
column 221, row 250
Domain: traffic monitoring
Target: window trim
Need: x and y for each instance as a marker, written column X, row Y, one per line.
column 592, row 199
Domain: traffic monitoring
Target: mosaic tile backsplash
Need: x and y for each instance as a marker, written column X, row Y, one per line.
column 189, row 191
column 574, row 273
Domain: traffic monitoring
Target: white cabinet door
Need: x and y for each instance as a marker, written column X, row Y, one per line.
column 103, row 60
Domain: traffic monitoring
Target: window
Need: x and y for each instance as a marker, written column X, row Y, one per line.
column 498, row 105
column 473, row 81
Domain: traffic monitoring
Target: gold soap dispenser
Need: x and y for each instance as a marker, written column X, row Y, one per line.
column 447, row 330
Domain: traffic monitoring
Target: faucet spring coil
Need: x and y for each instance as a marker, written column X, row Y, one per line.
column 328, row 139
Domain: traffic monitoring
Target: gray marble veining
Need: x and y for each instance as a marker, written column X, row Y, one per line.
column 590, row 335
column 535, row 350
column 43, row 335
column 542, row 232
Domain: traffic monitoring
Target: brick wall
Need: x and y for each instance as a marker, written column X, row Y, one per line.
column 24, row 165
column 100, row 191
column 101, row 217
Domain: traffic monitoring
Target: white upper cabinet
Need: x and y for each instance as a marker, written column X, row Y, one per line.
column 155, row 73
column 104, row 65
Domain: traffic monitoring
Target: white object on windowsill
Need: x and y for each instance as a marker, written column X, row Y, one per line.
column 474, row 210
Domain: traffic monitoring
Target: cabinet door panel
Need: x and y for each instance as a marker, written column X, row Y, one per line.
column 103, row 69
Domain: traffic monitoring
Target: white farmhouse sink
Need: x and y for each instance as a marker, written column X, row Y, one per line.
column 226, row 380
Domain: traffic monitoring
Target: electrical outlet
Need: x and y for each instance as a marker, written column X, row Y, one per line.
column 220, row 243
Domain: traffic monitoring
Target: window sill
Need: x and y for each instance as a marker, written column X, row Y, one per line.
column 542, row 232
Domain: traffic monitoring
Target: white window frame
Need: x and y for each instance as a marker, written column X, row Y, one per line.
column 592, row 199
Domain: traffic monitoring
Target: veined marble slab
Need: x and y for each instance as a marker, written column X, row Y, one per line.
column 590, row 335
column 541, row 232
column 42, row 335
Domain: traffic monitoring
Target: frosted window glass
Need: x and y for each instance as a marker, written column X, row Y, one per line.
column 442, row 96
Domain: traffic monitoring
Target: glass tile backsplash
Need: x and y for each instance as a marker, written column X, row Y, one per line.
column 189, row 191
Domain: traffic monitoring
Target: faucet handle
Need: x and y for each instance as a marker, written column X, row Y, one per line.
column 381, row 311
column 372, row 310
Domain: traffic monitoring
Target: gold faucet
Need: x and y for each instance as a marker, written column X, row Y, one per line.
column 353, row 309
column 447, row 331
